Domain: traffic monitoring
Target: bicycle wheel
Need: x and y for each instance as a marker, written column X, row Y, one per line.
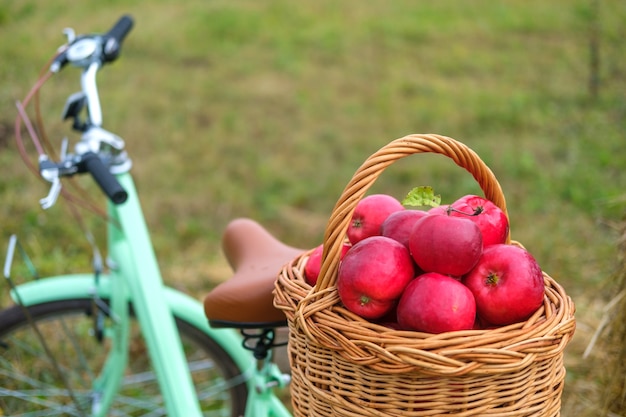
column 31, row 386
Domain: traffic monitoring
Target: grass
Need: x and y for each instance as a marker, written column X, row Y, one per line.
column 265, row 110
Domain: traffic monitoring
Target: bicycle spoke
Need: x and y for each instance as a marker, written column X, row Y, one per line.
column 82, row 360
column 35, row 397
column 38, row 389
column 132, row 404
column 33, row 350
column 48, row 353
column 219, row 387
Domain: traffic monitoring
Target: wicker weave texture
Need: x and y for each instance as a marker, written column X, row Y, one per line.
column 343, row 365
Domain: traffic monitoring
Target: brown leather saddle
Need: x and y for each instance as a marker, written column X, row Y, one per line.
column 246, row 299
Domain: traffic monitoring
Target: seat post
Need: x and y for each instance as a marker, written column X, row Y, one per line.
column 260, row 342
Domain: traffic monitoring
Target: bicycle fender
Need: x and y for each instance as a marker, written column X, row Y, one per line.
column 62, row 287
column 67, row 287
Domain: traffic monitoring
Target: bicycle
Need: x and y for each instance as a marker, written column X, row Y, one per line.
column 76, row 344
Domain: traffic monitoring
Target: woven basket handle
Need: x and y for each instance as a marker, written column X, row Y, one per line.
column 368, row 173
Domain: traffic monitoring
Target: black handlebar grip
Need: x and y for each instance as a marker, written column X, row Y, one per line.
column 108, row 183
column 115, row 37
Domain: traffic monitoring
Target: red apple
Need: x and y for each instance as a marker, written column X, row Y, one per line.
column 372, row 276
column 445, row 244
column 491, row 220
column 435, row 303
column 507, row 284
column 369, row 214
column 398, row 225
column 314, row 263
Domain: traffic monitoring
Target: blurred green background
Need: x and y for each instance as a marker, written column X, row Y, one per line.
column 266, row 109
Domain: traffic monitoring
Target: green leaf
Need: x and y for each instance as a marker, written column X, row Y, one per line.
column 422, row 196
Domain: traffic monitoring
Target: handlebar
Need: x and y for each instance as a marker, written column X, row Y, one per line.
column 99, row 152
column 108, row 183
column 115, row 37
column 85, row 50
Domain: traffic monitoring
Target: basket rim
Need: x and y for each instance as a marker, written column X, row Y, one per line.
column 483, row 351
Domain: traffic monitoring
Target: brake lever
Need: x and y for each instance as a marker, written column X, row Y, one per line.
column 53, row 195
column 51, row 172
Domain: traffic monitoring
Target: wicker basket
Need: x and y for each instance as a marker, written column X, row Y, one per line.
column 343, row 365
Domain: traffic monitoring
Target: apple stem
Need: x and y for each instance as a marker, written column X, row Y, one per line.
column 476, row 211
column 364, row 300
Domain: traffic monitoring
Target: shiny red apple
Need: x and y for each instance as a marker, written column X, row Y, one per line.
column 507, row 284
column 398, row 225
column 369, row 214
column 490, row 219
column 435, row 303
column 445, row 244
column 314, row 263
column 373, row 275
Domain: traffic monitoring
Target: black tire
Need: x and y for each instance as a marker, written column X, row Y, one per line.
column 29, row 382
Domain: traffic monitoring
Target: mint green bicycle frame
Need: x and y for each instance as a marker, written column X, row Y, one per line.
column 135, row 277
